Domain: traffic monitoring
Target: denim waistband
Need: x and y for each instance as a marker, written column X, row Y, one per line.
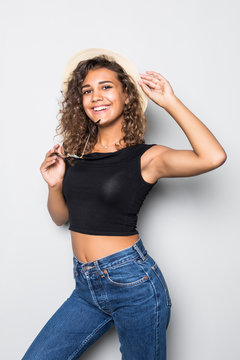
column 134, row 251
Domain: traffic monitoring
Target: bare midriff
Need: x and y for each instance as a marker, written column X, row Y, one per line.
column 88, row 248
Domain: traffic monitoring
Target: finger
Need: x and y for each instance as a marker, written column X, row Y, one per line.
column 51, row 164
column 50, row 157
column 58, row 154
column 154, row 73
column 51, row 153
column 153, row 77
column 52, row 150
column 149, row 77
column 50, row 161
column 46, row 164
column 149, row 82
column 145, row 88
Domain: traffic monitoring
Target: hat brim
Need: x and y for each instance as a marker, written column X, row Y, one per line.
column 120, row 59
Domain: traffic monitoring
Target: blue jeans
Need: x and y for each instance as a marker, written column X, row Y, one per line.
column 126, row 289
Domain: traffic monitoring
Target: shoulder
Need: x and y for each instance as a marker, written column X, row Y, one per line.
column 151, row 161
column 153, row 151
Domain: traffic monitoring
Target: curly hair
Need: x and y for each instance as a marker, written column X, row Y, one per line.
column 75, row 126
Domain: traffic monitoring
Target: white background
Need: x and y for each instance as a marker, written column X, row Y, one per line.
column 190, row 225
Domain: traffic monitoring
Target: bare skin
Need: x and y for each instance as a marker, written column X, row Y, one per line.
column 157, row 162
column 92, row 247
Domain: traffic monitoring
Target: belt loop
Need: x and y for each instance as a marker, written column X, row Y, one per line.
column 87, row 267
column 98, row 267
column 139, row 251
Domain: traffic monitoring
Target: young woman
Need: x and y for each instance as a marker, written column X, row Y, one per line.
column 98, row 180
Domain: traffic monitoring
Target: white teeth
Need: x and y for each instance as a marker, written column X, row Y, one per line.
column 100, row 108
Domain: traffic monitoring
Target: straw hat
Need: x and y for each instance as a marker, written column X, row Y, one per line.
column 120, row 59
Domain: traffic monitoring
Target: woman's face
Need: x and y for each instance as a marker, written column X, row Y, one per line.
column 102, row 88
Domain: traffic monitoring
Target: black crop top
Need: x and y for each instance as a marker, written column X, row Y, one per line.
column 104, row 191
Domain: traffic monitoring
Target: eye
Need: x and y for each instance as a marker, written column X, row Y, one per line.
column 105, row 86
column 85, row 92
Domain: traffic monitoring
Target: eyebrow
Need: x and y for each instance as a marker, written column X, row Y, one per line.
column 100, row 82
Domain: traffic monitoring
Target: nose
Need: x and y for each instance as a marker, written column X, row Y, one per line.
column 96, row 95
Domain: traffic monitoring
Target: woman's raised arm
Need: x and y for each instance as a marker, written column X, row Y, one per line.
column 207, row 153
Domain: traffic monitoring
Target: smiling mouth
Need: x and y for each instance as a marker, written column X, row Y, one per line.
column 100, row 111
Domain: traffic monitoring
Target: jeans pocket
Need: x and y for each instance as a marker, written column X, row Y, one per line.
column 127, row 274
column 159, row 274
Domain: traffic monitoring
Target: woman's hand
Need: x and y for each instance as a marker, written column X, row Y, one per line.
column 53, row 167
column 157, row 88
